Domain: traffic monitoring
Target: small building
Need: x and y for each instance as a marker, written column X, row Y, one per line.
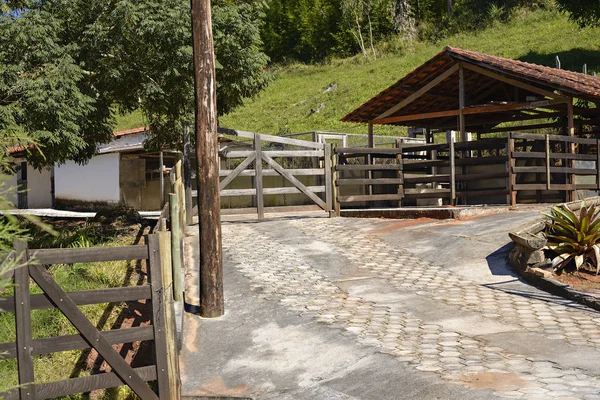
column 121, row 173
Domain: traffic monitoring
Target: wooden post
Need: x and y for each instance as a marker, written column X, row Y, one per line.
column 548, row 175
column 187, row 175
column 571, row 163
column 371, row 139
column 400, row 173
column 512, row 180
column 209, row 197
column 24, row 341
column 598, row 163
column 461, row 103
column 335, row 188
column 328, row 172
column 451, row 155
column 162, row 179
column 260, row 199
column 165, row 329
column 176, row 253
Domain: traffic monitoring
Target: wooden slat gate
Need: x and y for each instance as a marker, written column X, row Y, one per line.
column 32, row 264
column 262, row 154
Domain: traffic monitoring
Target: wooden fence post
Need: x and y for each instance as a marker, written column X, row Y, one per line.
column 187, row 175
column 260, row 205
column 452, row 160
column 548, row 175
column 511, row 168
column 176, row 253
column 163, row 314
column 328, row 178
column 334, row 164
column 23, row 322
column 400, row 173
column 598, row 163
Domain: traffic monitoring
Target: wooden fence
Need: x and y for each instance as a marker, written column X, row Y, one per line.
column 33, row 262
column 548, row 163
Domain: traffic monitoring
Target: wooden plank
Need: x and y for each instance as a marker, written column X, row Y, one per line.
column 411, row 165
column 294, row 181
column 85, row 384
column 294, row 153
column 270, row 191
column 260, row 200
column 512, row 180
column 482, row 144
column 271, row 172
column 412, row 179
column 328, row 178
column 481, row 161
column 236, row 172
column 270, row 138
column 400, row 173
column 76, row 342
column 511, row 81
column 112, row 295
column 22, row 307
column 158, row 316
column 483, row 192
column 427, row 193
column 375, row 167
column 366, row 151
column 481, row 176
column 563, row 156
column 523, row 127
column 554, row 170
column 373, row 197
column 416, row 117
column 93, row 254
column 420, row 92
column 542, row 186
column 411, row 147
column 380, row 181
column 370, row 137
column 94, row 337
column 571, row 162
column 236, row 153
column 554, row 138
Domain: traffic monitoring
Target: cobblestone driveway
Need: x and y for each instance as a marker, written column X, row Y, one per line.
column 278, row 271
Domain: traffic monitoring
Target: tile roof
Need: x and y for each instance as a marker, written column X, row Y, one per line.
column 480, row 88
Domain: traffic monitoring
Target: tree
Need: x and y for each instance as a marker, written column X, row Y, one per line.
column 67, row 66
column 584, row 12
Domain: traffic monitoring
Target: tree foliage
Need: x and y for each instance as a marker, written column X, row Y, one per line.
column 66, row 67
column 584, row 12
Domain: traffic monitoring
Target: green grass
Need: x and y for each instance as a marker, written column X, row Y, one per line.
column 130, row 121
column 51, row 322
column 285, row 106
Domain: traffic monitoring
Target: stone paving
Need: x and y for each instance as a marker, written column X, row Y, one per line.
column 277, row 272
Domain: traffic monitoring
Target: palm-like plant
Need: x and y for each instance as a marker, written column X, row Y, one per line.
column 574, row 237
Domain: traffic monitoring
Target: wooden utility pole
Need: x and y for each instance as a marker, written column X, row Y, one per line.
column 209, row 199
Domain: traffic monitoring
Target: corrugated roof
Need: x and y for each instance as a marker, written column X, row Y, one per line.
column 480, row 89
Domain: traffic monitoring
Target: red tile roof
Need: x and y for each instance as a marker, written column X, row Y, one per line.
column 480, row 88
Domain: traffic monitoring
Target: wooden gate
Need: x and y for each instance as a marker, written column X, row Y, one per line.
column 32, row 264
column 261, row 153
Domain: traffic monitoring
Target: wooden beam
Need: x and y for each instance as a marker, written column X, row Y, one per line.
column 238, row 170
column 371, row 138
column 571, row 133
column 23, row 323
column 258, row 180
column 420, row 92
column 469, row 111
column 513, row 82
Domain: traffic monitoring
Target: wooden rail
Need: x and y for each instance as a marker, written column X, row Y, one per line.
column 165, row 369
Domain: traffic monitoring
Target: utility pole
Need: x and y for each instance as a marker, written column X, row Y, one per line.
column 209, row 198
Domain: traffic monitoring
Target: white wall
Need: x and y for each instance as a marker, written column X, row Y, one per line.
column 9, row 183
column 97, row 180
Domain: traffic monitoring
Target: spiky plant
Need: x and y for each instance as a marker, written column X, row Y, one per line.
column 574, row 237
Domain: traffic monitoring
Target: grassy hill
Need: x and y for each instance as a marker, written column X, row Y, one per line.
column 288, row 104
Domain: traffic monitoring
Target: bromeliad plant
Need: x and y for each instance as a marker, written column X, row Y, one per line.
column 574, row 237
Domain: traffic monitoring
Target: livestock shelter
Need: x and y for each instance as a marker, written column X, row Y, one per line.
column 525, row 133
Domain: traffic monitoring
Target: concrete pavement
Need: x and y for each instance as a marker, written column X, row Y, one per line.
column 378, row 309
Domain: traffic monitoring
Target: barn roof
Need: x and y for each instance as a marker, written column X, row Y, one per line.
column 488, row 81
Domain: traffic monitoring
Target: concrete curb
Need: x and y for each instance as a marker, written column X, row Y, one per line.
column 458, row 213
column 527, row 253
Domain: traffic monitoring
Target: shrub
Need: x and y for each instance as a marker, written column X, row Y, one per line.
column 574, row 237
